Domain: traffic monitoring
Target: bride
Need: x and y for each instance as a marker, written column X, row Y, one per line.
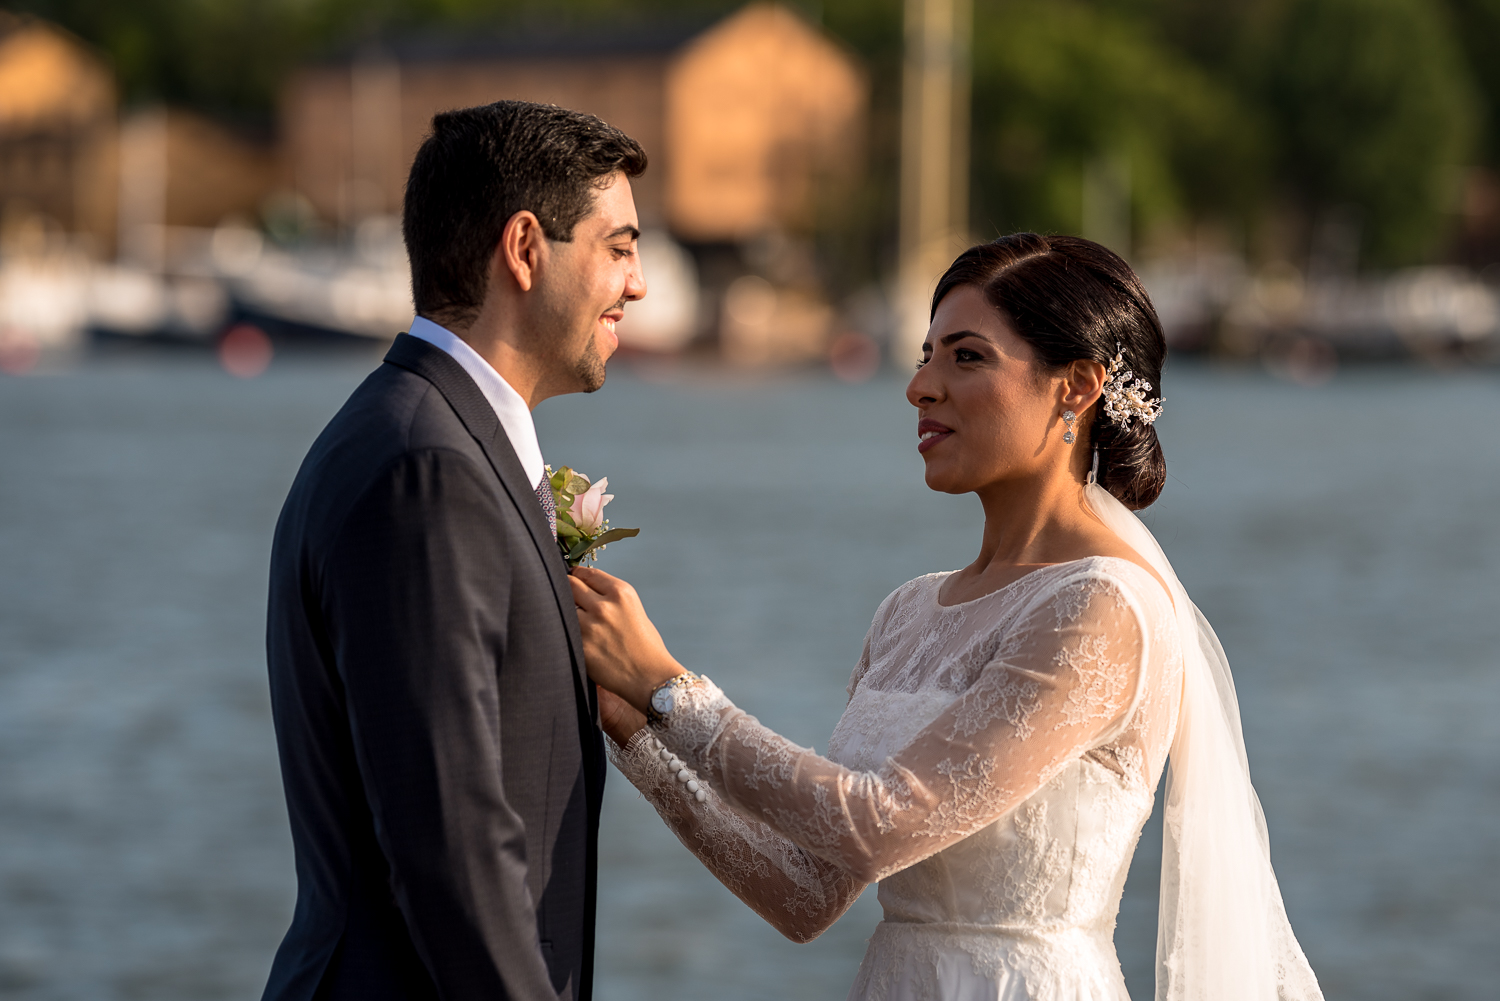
column 1008, row 722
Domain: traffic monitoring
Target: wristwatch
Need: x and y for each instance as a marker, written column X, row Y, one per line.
column 664, row 699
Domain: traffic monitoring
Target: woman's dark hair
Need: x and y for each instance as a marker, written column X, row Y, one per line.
column 480, row 166
column 1070, row 298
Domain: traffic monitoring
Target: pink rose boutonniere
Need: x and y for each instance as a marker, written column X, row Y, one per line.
column 582, row 529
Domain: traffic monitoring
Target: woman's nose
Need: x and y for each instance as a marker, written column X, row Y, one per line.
column 925, row 387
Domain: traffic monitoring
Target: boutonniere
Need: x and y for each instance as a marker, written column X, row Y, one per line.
column 582, row 529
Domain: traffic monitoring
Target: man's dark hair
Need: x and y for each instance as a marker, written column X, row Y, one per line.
column 479, row 167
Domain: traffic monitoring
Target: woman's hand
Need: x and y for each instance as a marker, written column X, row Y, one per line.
column 624, row 652
column 617, row 718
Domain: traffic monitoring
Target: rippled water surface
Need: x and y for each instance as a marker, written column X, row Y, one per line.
column 1343, row 540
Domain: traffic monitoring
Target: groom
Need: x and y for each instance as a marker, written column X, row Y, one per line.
column 438, row 735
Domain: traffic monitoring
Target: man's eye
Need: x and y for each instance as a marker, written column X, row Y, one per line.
column 622, row 252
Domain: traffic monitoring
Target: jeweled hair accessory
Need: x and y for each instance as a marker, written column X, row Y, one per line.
column 1125, row 395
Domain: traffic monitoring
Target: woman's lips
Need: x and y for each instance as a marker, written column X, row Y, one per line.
column 930, row 433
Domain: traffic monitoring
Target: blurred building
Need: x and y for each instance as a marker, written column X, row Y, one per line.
column 68, row 159
column 57, row 128
column 180, row 171
column 741, row 119
column 1478, row 242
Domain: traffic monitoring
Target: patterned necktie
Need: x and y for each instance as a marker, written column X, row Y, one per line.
column 549, row 503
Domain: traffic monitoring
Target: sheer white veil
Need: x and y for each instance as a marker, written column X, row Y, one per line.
column 1223, row 933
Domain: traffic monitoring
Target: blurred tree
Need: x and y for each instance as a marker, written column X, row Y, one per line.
column 1210, row 32
column 1063, row 89
column 1478, row 29
column 1375, row 113
column 223, row 56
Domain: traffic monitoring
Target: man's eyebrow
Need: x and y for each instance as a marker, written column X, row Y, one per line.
column 625, row 230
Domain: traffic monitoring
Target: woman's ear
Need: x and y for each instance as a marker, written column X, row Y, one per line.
column 1082, row 384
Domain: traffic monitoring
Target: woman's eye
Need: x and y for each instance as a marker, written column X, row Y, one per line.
column 964, row 354
column 921, row 362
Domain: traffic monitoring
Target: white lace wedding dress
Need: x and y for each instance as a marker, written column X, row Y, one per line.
column 992, row 771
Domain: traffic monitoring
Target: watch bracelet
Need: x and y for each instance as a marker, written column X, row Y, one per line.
column 657, row 720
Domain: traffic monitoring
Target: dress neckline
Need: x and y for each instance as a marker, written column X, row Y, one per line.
column 1006, row 587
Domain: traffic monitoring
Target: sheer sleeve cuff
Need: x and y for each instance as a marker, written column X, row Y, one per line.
column 654, row 770
column 634, row 758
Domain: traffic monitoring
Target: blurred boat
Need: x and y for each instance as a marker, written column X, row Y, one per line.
column 1216, row 304
column 54, row 301
column 359, row 290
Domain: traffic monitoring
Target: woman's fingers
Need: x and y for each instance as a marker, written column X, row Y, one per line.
column 618, row 718
column 596, row 580
column 579, row 577
column 585, row 597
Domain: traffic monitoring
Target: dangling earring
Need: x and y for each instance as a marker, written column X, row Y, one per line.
column 1094, row 473
column 1068, row 436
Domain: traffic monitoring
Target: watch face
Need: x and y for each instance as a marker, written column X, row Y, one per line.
column 663, row 700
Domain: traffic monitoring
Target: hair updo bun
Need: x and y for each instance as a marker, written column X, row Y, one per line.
column 1071, row 298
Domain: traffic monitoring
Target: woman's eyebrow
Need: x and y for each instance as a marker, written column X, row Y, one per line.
column 957, row 336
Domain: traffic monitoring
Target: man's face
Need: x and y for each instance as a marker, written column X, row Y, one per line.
column 585, row 286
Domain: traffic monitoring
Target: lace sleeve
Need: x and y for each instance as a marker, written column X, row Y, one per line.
column 797, row 892
column 1064, row 680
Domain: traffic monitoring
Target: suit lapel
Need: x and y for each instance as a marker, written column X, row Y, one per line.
column 438, row 367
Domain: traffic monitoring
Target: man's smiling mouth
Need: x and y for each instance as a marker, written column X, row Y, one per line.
column 612, row 316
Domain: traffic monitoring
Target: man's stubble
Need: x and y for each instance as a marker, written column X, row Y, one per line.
column 590, row 368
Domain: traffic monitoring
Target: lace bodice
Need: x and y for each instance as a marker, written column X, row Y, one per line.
column 992, row 770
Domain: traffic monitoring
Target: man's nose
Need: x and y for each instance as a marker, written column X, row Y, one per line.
column 635, row 281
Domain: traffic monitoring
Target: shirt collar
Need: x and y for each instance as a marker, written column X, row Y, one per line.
column 514, row 415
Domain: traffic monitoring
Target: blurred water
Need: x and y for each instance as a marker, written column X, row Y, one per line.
column 1341, row 539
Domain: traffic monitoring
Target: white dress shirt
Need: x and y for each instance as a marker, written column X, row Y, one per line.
column 515, row 416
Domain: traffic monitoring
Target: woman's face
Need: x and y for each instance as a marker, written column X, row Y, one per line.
column 987, row 413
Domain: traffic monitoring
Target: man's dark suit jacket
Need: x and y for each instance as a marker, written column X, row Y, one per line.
column 438, row 734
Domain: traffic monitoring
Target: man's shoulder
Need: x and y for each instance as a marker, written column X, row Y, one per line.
column 394, row 410
column 393, row 415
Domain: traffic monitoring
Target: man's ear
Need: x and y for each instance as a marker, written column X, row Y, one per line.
column 522, row 244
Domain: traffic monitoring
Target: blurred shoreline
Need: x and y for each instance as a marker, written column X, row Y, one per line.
column 233, row 291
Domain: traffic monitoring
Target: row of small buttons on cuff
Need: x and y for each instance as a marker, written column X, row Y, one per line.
column 680, row 769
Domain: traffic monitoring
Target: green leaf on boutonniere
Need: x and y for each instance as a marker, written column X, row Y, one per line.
column 566, row 485
column 585, row 546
